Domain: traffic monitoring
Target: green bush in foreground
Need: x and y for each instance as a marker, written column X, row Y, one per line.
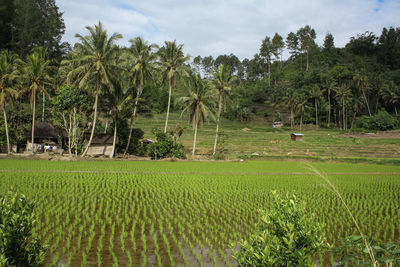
column 165, row 147
column 287, row 235
column 17, row 247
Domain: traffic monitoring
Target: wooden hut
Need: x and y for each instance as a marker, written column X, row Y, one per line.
column 101, row 144
column 45, row 135
column 297, row 136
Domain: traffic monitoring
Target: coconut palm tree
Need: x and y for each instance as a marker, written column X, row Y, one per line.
column 223, row 83
column 391, row 94
column 94, row 56
column 316, row 94
column 361, row 80
column 118, row 100
column 343, row 93
column 141, row 53
column 171, row 60
column 8, row 75
column 36, row 75
column 198, row 103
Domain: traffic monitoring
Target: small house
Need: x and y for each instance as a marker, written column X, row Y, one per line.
column 297, row 136
column 101, row 145
column 44, row 136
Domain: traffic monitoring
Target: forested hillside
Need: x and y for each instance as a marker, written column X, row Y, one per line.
column 95, row 86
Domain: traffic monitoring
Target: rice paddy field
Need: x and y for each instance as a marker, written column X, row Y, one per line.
column 127, row 213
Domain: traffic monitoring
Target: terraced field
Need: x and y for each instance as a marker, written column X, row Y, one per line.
column 126, row 213
column 257, row 136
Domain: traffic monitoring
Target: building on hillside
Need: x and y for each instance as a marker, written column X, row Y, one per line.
column 297, row 136
column 101, row 144
column 45, row 137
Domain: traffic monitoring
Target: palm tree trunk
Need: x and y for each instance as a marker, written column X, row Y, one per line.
column 93, row 126
column 316, row 113
column 344, row 116
column 33, row 122
column 74, row 129
column 195, row 137
column 307, row 61
column 269, row 73
column 131, row 125
column 70, row 136
column 5, row 121
column 44, row 104
column 291, row 118
column 301, row 120
column 395, row 110
column 115, row 137
column 219, row 115
column 329, row 107
column 366, row 101
column 169, row 103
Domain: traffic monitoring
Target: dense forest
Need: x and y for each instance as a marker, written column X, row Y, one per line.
column 96, row 86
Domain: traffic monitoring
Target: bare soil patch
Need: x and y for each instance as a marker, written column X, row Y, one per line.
column 378, row 135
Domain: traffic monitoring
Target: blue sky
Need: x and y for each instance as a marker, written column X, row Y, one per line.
column 214, row 27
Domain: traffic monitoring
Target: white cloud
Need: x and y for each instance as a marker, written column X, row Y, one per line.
column 214, row 27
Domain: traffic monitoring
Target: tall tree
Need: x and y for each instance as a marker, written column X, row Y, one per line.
column 37, row 23
column 8, row 76
column 343, row 93
column 361, row 80
column 222, row 82
column 292, row 43
column 118, row 100
column 266, row 51
column 171, row 60
column 198, row 103
column 306, row 37
column 36, row 75
column 278, row 45
column 316, row 94
column 95, row 54
column 143, row 64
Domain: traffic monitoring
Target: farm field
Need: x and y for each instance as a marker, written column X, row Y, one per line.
column 257, row 136
column 127, row 213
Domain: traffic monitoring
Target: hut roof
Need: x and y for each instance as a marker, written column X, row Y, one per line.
column 101, row 139
column 43, row 130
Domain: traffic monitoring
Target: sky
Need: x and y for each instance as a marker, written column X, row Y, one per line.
column 216, row 27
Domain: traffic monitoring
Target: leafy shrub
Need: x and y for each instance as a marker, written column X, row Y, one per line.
column 380, row 122
column 352, row 252
column 17, row 246
column 287, row 235
column 165, row 147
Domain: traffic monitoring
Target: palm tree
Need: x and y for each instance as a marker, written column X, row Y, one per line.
column 316, row 94
column 361, row 80
column 35, row 71
column 94, row 56
column 198, row 103
column 118, row 100
column 8, row 74
column 171, row 60
column 222, row 82
column 391, row 94
column 302, row 107
column 143, row 58
column 291, row 98
column 342, row 94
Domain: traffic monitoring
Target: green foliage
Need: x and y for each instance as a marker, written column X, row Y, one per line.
column 380, row 122
column 165, row 147
column 352, row 252
column 287, row 235
column 17, row 246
